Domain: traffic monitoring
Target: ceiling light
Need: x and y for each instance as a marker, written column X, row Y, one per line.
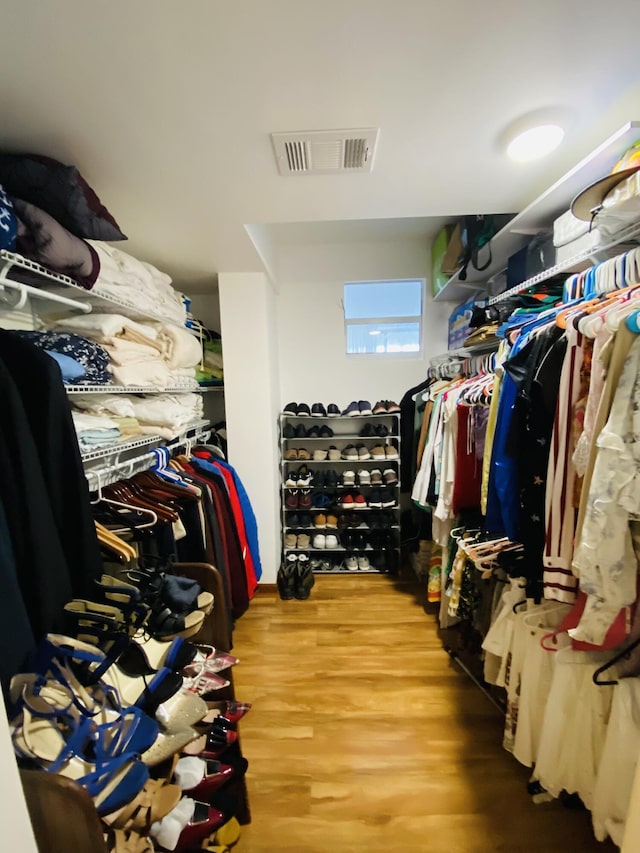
column 535, row 142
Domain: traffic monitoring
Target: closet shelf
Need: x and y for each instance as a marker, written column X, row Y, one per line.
column 26, row 290
column 41, row 282
column 539, row 215
column 129, row 389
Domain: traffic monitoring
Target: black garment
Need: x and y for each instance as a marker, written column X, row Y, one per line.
column 407, row 431
column 39, row 382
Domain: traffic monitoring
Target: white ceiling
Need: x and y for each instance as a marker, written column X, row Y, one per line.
column 166, row 107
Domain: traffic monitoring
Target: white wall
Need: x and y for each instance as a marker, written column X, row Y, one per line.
column 314, row 366
column 247, row 316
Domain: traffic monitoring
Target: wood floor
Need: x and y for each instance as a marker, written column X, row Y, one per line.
column 365, row 737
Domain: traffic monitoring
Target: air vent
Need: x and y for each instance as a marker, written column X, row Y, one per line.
column 325, row 152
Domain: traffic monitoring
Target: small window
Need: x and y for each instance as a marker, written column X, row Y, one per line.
column 383, row 316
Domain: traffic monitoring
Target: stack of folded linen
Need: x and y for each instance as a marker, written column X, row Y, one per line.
column 85, row 361
column 159, row 355
column 94, row 430
column 166, row 415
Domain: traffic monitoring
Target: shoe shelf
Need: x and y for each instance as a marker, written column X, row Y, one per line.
column 347, row 429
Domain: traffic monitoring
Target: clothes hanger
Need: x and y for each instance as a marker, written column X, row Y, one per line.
column 617, row 657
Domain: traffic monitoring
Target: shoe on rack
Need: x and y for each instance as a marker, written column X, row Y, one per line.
column 293, row 520
column 351, row 563
column 381, row 431
column 326, row 565
column 313, row 432
column 352, row 410
column 303, row 454
column 330, row 479
column 291, row 480
column 291, row 455
column 334, row 453
column 319, row 479
column 392, row 407
column 375, row 499
column 321, row 500
column 387, row 499
column 304, row 540
column 390, row 477
column 331, row 541
column 359, row 502
column 290, row 540
column 303, row 410
column 320, row 520
column 348, row 478
column 290, row 409
column 347, row 502
column 318, row 411
column 363, row 452
column 305, row 519
column 304, row 499
column 291, row 500
column 376, row 477
column 304, row 578
column 326, row 431
column 380, row 408
column 364, row 407
column 304, row 477
column 350, row 452
column 367, row 431
column 391, row 452
column 332, row 521
column 363, row 563
column 333, row 411
column 288, row 431
column 378, row 452
column 316, row 565
column 319, row 541
column 320, row 455
column 364, row 477
column 300, row 431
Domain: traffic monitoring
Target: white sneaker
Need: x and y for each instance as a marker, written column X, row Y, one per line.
column 364, row 477
column 330, row 541
column 348, row 478
column 334, row 453
column 363, row 564
column 319, row 540
column 351, row 563
column 319, row 455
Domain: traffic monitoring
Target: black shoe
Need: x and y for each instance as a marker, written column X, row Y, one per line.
column 300, row 431
column 367, row 431
column 286, row 580
column 288, row 431
column 303, row 410
column 290, row 409
column 375, row 499
column 326, row 432
column 387, row 499
column 381, row 431
column 319, row 479
column 318, row 411
column 333, row 411
column 304, row 579
column 304, row 520
column 330, row 479
column 314, row 432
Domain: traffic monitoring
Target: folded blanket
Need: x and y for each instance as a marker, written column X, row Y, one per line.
column 88, row 353
column 180, row 349
column 85, row 421
column 105, row 328
column 146, row 373
column 130, row 352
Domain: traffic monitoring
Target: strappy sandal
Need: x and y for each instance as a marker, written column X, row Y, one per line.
column 122, row 841
column 154, row 802
column 164, row 624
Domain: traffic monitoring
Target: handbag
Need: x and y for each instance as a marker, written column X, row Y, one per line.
column 476, row 232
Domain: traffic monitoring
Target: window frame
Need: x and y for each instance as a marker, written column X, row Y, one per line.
column 363, row 321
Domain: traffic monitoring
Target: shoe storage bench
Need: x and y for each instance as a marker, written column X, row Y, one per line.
column 340, row 490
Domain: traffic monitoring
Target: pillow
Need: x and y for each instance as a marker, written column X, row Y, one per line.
column 61, row 191
column 44, row 240
column 8, row 222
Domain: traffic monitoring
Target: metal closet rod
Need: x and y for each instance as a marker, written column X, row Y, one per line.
column 27, row 290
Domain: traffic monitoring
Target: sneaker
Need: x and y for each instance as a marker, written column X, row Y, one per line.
column 390, row 477
column 291, row 480
column 293, row 520
column 290, row 409
column 300, row 431
column 304, row 499
column 364, row 477
column 291, row 455
column 303, row 540
column 318, row 411
column 363, row 563
column 290, row 540
column 363, row 452
column 292, row 499
column 359, row 502
column 347, row 502
column 333, row 411
column 288, row 431
column 319, row 480
column 392, row 407
column 367, row 431
column 352, row 410
column 391, row 452
column 376, row 477
column 387, row 499
column 351, row 563
column 303, row 411
column 326, row 432
column 326, row 565
column 378, row 452
column 303, row 453
column 287, row 576
column 304, row 577
column 364, row 407
column 305, row 519
column 334, row 453
column 332, row 521
column 331, row 541
column 316, row 565
column 313, row 432
column 350, row 452
column 320, row 520
column 319, row 455
column 348, row 478
column 319, row 540
column 375, row 499
column 304, row 480
column 321, row 501
column 381, row 431
column 380, row 408
column 330, row 479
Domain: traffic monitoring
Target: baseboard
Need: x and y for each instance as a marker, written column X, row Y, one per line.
column 267, row 587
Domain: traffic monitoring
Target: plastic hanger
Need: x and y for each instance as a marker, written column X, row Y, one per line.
column 617, row 657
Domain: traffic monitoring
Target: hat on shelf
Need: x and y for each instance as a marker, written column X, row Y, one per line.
column 588, row 202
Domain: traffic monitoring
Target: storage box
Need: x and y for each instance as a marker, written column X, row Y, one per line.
column 438, row 277
column 517, row 267
column 567, row 228
column 541, row 254
column 451, row 261
column 459, row 323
